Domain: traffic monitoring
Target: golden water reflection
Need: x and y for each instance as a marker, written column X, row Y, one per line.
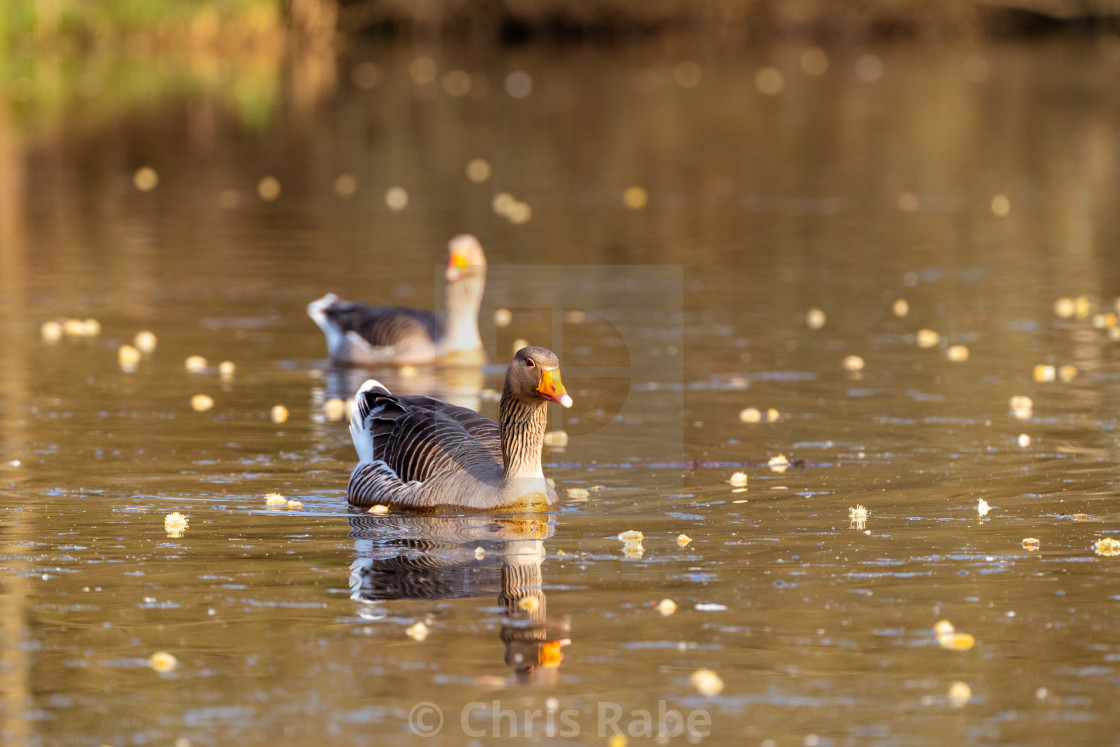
column 430, row 557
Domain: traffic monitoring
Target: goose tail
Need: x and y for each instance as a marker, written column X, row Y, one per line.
column 318, row 308
column 364, row 406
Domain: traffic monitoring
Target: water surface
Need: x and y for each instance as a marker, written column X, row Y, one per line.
column 978, row 185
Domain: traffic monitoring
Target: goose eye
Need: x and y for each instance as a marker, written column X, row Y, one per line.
column 529, row 363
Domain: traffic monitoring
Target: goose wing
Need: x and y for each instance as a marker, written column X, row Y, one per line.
column 384, row 326
column 410, row 448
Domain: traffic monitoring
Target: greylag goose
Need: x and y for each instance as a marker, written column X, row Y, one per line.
column 423, row 454
column 360, row 335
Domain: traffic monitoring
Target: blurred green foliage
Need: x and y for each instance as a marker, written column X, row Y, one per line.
column 89, row 22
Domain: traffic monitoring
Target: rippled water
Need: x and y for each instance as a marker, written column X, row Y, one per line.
column 980, row 186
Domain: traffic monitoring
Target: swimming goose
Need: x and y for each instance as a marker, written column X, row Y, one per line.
column 423, row 454
column 360, row 335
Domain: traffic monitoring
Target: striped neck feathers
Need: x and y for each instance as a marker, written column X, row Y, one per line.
column 521, row 427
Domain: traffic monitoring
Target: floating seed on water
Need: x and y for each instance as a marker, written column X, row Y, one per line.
column 529, row 604
column 944, row 627
column 145, row 342
column 683, row 539
column 519, row 213
column 201, row 402
column 295, row 504
column 959, row 694
column 275, row 499
column 335, row 409
column 51, row 332
column 956, row 641
column 268, row 188
column 779, row 463
column 982, row 507
column 145, row 178
column 948, row 637
column 1107, row 547
column 1081, row 307
column 578, row 494
column 739, row 479
column 908, row 203
column 957, row 353
column 195, row 364
column 417, row 631
column 706, row 682
column 345, row 185
column 1043, row 373
column 502, row 202
column 1031, row 543
column 632, row 543
column 457, row 83
column 226, row 369
column 772, row 415
column 853, row 363
column 558, row 439
column 479, row 552
column 503, row 317
column 869, row 68
column 379, row 510
column 1001, row 206
column 750, row 415
column 635, row 198
column 422, row 70
column 396, row 199
column 859, row 513
column 127, row 358
column 901, row 307
column 1064, row 308
column 1024, row 440
column 175, row 524
column 1022, row 407
column 770, row 81
column 478, row 170
column 666, row 607
column 519, row 84
column 814, row 61
column 1067, row 373
column 815, row 318
column 633, row 548
column 927, row 338
column 278, row 414
column 163, row 662
column 1104, row 321
column 82, row 327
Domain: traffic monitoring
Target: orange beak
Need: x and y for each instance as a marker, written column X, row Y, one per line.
column 551, row 388
column 455, row 265
column 551, row 655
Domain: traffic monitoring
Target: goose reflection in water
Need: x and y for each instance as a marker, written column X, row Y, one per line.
column 434, row 557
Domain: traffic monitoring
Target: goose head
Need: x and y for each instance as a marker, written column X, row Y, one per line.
column 464, row 253
column 534, row 375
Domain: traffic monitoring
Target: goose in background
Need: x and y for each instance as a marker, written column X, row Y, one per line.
column 360, row 335
column 423, row 454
